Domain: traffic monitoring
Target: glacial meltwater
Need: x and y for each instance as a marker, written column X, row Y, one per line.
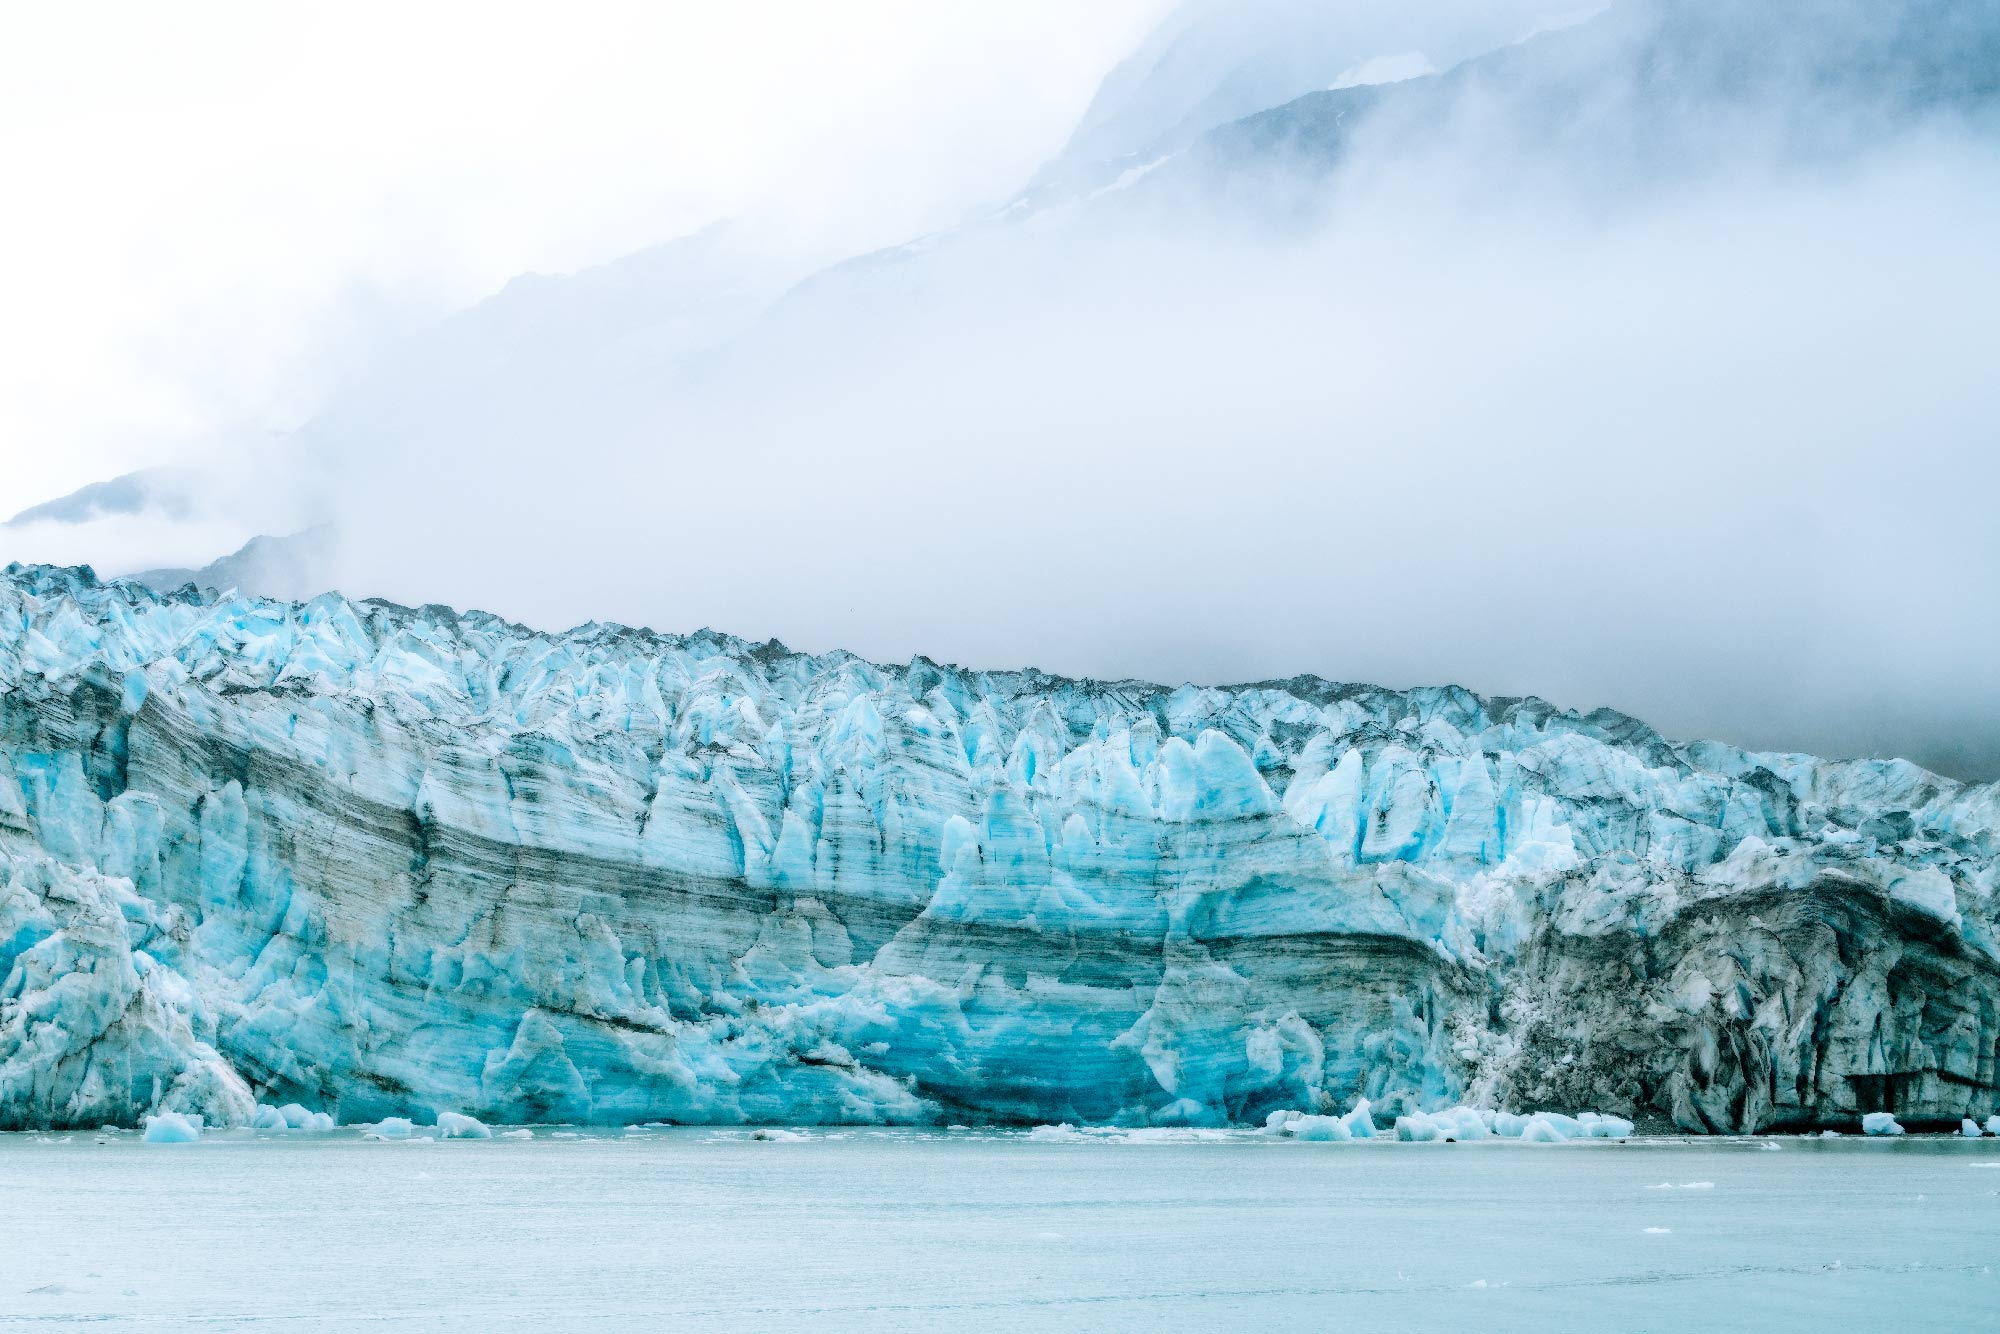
column 704, row 1229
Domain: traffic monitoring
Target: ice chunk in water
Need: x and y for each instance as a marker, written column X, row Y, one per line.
column 289, row 1117
column 392, row 1127
column 451, row 1125
column 1880, row 1123
column 1993, row 1125
column 1360, row 1122
column 1465, row 1122
column 1418, row 1128
column 298, row 1118
column 1547, row 1128
column 1453, row 1123
column 172, row 1128
column 1970, row 1128
column 1303, row 1126
column 1321, row 1129
column 1600, row 1126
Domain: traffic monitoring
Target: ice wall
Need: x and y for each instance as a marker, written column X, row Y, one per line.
column 382, row 861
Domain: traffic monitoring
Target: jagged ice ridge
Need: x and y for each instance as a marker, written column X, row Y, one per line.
column 386, row 862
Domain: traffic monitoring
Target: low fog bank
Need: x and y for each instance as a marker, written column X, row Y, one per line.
column 1689, row 413
column 1722, row 462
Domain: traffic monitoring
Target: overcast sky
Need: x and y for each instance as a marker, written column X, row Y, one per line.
column 1714, row 447
column 214, row 209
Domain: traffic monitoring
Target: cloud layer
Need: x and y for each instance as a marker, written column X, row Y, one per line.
column 1667, row 389
column 1710, row 450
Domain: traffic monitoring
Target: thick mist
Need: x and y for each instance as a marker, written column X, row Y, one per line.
column 1688, row 413
column 1723, row 464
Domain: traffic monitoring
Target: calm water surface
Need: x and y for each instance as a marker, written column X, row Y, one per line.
column 912, row 1230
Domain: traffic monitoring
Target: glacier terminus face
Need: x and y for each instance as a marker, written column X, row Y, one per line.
column 384, row 862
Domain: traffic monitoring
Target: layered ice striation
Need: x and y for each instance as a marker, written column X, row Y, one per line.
column 378, row 862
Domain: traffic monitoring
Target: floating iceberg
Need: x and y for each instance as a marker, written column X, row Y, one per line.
column 1301, row 1125
column 1599, row 1126
column 298, row 1118
column 392, row 1127
column 172, row 1128
column 1880, row 1123
column 453, row 1125
column 382, row 860
column 291, row 1116
column 1547, row 1130
column 1418, row 1128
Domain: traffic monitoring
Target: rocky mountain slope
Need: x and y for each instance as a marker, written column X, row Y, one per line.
column 383, row 861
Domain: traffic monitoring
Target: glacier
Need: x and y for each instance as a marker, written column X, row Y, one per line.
column 351, row 859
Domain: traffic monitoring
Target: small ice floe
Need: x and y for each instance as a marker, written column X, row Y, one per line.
column 1305, row 1126
column 1477, row 1283
column 1970, row 1128
column 298, row 1118
column 773, row 1135
column 289, row 1117
column 1772, row 1146
column 1555, row 1128
column 1446, row 1127
column 1063, row 1133
column 564, row 1134
column 1658, row 1231
column 172, row 1128
column 1993, row 1125
column 452, row 1125
column 1829, row 1134
column 391, row 1127
column 517, row 1134
column 1880, row 1123
column 1167, row 1134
